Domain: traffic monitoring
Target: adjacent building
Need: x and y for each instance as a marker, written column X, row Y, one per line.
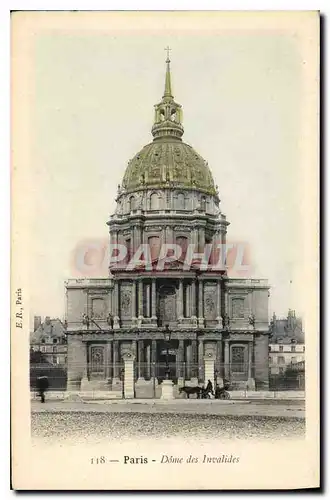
column 49, row 338
column 287, row 348
column 167, row 315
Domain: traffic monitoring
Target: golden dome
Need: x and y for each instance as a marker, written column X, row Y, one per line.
column 168, row 164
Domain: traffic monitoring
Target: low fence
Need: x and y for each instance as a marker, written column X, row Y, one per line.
column 57, row 375
column 155, row 373
column 111, row 395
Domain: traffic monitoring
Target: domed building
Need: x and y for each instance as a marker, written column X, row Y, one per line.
column 168, row 302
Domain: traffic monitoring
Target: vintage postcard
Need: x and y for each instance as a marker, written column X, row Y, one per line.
column 165, row 195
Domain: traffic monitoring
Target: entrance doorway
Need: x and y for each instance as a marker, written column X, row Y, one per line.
column 239, row 362
column 167, row 358
column 96, row 362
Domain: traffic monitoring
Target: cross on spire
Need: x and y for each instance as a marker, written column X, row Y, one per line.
column 168, row 52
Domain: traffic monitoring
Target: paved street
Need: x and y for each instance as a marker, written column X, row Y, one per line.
column 98, row 423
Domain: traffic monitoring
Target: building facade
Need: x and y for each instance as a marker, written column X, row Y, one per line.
column 166, row 313
column 286, row 344
column 49, row 338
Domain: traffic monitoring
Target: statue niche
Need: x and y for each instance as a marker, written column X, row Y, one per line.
column 167, row 312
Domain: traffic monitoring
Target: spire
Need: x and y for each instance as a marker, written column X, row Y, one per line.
column 168, row 114
column 168, row 86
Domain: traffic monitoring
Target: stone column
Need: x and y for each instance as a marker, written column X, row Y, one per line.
column 134, row 353
column 194, row 357
column 135, row 239
column 209, row 360
column 129, row 375
column 251, row 382
column 200, row 304
column 180, row 301
column 140, row 301
column 219, row 316
column 147, row 300
column 180, row 366
column 188, row 301
column 111, row 308
column 108, row 361
column 148, row 358
column 227, row 367
column 226, row 302
column 134, row 302
column 201, row 360
column 219, row 363
column 140, row 359
column 115, row 362
column 188, row 357
column 153, row 301
column 116, row 324
column 193, row 313
column 201, row 239
column 153, row 357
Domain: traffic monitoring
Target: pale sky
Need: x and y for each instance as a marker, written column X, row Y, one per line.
column 92, row 101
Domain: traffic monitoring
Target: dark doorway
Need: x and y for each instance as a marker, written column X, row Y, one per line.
column 166, row 352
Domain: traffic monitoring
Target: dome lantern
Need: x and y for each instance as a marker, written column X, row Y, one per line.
column 168, row 113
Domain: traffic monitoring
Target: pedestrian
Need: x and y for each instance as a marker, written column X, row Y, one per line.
column 42, row 386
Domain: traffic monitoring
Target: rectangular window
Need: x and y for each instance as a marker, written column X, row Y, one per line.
column 281, row 360
column 293, row 348
column 281, row 348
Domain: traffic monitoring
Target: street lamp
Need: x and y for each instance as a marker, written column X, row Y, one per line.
column 167, row 336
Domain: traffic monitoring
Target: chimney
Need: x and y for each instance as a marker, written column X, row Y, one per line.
column 37, row 322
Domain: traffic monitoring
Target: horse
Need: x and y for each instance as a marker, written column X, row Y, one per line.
column 191, row 390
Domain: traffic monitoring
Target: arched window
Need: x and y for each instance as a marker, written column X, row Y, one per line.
column 182, row 241
column 154, row 201
column 129, row 249
column 203, row 203
column 132, row 203
column 180, row 201
column 154, row 246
